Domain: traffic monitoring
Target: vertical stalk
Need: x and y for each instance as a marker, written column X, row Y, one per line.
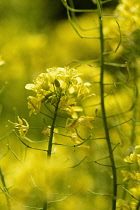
column 136, row 111
column 52, row 127
column 104, row 115
column 45, row 204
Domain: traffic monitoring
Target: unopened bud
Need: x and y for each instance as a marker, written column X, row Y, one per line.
column 57, row 83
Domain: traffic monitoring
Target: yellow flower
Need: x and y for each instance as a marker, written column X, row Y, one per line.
column 83, row 91
column 73, row 124
column 135, row 191
column 127, row 175
column 129, row 11
column 75, row 138
column 122, row 205
column 23, row 129
column 34, row 104
column 46, row 131
column 133, row 157
column 72, row 110
column 86, row 120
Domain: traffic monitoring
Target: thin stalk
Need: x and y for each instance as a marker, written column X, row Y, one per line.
column 138, row 206
column 136, row 107
column 52, row 127
column 50, row 143
column 104, row 115
column 5, row 190
column 45, row 205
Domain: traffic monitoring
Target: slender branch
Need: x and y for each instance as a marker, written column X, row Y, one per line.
column 78, row 163
column 64, row 2
column 28, row 146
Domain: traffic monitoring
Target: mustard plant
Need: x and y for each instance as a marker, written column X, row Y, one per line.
column 60, row 92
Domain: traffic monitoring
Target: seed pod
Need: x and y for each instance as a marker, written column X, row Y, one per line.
column 57, row 83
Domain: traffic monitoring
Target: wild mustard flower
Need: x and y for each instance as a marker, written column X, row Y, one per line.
column 34, row 104
column 23, row 128
column 73, row 124
column 63, row 84
column 134, row 177
column 133, row 157
column 128, row 175
column 46, row 130
column 123, row 205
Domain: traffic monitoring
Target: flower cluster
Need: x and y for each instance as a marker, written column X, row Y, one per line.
column 134, row 177
column 128, row 17
column 129, row 11
column 72, row 126
column 58, row 84
column 133, row 158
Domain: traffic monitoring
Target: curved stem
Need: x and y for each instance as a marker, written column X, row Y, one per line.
column 104, row 115
column 5, row 190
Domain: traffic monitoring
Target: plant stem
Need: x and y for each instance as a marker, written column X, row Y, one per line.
column 5, row 190
column 52, row 127
column 104, row 116
column 45, row 205
column 138, row 206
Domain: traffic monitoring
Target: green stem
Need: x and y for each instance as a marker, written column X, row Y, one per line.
column 52, row 127
column 5, row 189
column 104, row 115
column 45, row 205
column 138, row 206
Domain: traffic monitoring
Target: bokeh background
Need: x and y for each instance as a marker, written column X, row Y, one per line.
column 34, row 36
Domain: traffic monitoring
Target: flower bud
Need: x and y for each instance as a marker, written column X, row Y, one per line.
column 57, row 83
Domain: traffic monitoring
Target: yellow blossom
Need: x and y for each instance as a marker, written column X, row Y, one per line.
column 46, row 131
column 86, row 120
column 75, row 138
column 73, row 124
column 127, row 175
column 34, row 104
column 72, row 110
column 135, row 191
column 23, row 129
column 58, row 84
column 133, row 157
column 122, row 205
